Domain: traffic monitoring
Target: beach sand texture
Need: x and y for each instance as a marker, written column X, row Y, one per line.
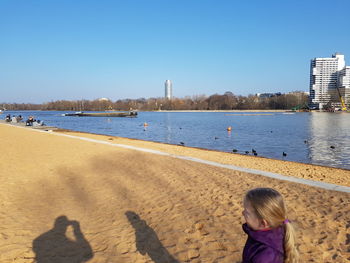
column 140, row 207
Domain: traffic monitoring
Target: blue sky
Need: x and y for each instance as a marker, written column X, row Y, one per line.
column 63, row 49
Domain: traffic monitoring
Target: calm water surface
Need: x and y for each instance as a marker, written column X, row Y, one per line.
column 304, row 137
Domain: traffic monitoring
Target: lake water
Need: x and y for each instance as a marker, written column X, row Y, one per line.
column 304, row 137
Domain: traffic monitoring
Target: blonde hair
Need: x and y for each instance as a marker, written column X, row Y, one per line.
column 268, row 205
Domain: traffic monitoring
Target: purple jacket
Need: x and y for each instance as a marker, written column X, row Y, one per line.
column 264, row 246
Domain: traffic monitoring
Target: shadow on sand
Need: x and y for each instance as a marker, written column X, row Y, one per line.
column 55, row 247
column 147, row 241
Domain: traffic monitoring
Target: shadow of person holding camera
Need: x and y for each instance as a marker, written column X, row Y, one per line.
column 55, row 247
column 147, row 241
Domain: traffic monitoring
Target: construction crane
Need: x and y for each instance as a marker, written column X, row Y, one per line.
column 343, row 106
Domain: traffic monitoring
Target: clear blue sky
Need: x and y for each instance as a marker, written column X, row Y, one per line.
column 70, row 49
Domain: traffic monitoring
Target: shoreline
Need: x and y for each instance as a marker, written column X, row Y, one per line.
column 318, row 183
column 326, row 174
column 121, row 198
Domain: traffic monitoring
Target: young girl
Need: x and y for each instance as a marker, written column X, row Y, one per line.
column 271, row 237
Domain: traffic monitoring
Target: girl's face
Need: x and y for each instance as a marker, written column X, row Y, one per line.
column 251, row 218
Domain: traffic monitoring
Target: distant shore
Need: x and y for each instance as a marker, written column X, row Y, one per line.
column 272, row 111
column 167, row 110
column 221, row 111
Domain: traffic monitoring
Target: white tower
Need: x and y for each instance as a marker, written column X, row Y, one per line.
column 324, row 80
column 168, row 89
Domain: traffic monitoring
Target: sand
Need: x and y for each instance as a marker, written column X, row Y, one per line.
column 67, row 200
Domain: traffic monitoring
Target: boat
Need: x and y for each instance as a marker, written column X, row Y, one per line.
column 103, row 114
column 72, row 114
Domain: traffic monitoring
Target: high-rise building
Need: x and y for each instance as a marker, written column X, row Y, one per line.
column 329, row 77
column 168, row 89
column 344, row 84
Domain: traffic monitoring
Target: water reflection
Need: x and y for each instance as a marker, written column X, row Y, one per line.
column 329, row 142
column 168, row 128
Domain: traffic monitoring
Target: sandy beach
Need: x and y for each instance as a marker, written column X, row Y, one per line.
column 63, row 199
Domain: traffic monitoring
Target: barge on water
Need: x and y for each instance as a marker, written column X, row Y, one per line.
column 103, row 114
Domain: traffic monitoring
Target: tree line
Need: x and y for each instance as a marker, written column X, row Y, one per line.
column 226, row 101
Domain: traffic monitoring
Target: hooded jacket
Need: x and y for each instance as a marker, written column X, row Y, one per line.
column 263, row 246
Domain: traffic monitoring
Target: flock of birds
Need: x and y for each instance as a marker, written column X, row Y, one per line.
column 253, row 151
